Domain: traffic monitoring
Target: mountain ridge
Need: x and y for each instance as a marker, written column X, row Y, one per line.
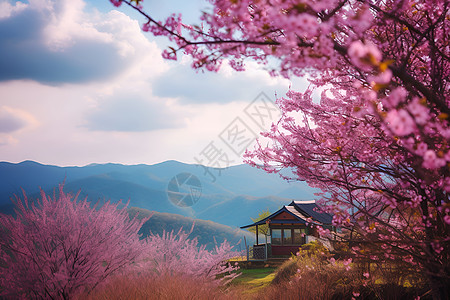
column 237, row 193
column 207, row 232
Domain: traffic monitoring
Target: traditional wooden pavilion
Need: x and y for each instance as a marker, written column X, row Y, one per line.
column 290, row 227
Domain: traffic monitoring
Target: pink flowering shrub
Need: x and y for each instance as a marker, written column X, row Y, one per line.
column 176, row 254
column 61, row 247
column 174, row 267
column 58, row 247
column 312, row 274
column 315, row 273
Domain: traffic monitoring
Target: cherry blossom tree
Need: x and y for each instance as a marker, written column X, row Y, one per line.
column 59, row 247
column 371, row 131
column 176, row 254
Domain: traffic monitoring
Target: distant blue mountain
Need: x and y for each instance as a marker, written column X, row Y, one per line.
column 229, row 196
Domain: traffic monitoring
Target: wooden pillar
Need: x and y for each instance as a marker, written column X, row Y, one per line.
column 266, row 254
column 257, row 235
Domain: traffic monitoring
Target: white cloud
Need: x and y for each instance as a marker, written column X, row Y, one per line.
column 189, row 86
column 59, row 42
column 7, row 9
column 132, row 112
column 13, row 122
column 65, row 22
column 99, row 91
column 12, row 119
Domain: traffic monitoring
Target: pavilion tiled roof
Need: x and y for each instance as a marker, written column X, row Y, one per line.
column 309, row 208
column 302, row 211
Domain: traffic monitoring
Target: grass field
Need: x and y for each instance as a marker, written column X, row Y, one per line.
column 251, row 281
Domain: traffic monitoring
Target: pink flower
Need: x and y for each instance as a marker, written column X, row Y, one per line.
column 447, row 219
column 396, row 97
column 306, row 23
column 382, row 78
column 146, row 27
column 419, row 111
column 421, row 149
column 364, row 56
column 437, row 247
column 447, row 184
column 400, row 122
column 171, row 55
column 356, row 50
column 116, row 3
column 347, row 263
column 366, row 274
column 431, row 161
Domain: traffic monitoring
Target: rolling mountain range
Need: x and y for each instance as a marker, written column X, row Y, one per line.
column 228, row 196
column 208, row 233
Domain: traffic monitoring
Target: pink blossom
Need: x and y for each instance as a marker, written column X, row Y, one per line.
column 421, row 149
column 177, row 253
column 419, row 111
column 437, row 247
column 306, row 23
column 146, row 27
column 447, row 184
column 169, row 55
column 396, row 97
column 447, row 219
column 382, row 78
column 431, row 161
column 400, row 122
column 364, row 56
column 62, row 246
column 116, row 3
column 347, row 263
column 363, row 19
column 408, row 259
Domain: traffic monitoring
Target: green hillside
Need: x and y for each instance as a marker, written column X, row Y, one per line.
column 207, row 232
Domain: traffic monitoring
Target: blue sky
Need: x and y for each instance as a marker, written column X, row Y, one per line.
column 80, row 83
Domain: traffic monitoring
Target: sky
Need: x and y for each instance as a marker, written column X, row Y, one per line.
column 80, row 83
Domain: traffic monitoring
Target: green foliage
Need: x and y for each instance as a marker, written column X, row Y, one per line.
column 314, row 249
column 313, row 278
column 262, row 229
column 313, row 254
column 314, row 274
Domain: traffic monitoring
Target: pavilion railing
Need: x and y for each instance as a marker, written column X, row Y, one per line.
column 259, row 252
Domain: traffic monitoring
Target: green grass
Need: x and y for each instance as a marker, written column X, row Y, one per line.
column 253, row 280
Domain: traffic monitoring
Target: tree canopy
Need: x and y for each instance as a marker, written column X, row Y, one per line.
column 262, row 229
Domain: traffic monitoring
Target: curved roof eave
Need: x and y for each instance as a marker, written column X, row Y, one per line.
column 299, row 217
